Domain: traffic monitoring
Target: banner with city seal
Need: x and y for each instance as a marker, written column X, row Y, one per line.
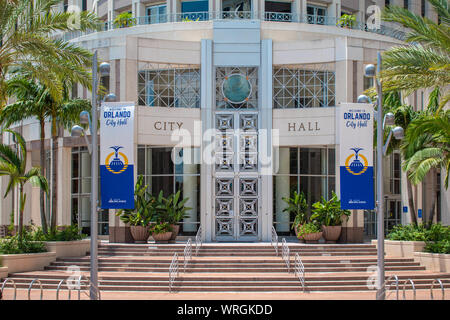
column 356, row 156
column 117, row 155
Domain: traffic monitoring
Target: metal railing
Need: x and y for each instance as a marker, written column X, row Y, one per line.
column 59, row 288
column 404, row 288
column 285, row 254
column 299, row 270
column 198, row 240
column 14, row 285
column 31, row 286
column 390, row 284
column 274, row 240
column 187, row 253
column 240, row 15
column 173, row 271
column 432, row 287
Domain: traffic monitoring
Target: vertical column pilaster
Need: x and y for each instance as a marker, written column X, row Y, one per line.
column 265, row 147
column 206, row 168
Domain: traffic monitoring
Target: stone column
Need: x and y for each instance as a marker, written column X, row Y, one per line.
column 138, row 9
column 207, row 185
column 64, row 184
column 282, row 190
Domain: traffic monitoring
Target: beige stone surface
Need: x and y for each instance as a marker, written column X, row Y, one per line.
column 3, row 272
column 404, row 249
column 28, row 261
column 68, row 248
column 437, row 262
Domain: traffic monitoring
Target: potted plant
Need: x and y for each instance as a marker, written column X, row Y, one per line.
column 329, row 215
column 142, row 215
column 347, row 21
column 173, row 211
column 124, row 19
column 298, row 206
column 310, row 232
column 161, row 231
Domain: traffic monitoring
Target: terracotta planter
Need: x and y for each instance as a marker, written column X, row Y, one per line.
column 312, row 237
column 175, row 230
column 140, row 234
column 162, row 236
column 331, row 233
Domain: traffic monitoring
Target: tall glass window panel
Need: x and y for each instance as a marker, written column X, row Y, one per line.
column 156, row 14
column 307, row 170
column 171, row 170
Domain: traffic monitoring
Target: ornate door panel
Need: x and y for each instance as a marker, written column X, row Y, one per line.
column 236, row 179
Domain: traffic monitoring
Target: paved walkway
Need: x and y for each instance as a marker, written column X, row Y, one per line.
column 22, row 294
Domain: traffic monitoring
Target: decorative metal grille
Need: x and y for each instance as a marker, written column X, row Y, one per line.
column 169, row 85
column 294, row 87
column 251, row 74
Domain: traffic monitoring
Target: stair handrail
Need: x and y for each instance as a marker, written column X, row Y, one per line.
column 173, row 270
column 13, row 283
column 299, row 270
column 90, row 284
column 59, row 287
column 389, row 285
column 285, row 253
column 31, row 286
column 187, row 253
column 404, row 288
column 274, row 240
column 198, row 240
column 442, row 288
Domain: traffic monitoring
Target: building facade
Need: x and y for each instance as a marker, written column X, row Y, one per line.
column 253, row 85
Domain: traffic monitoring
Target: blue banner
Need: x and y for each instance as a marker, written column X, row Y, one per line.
column 117, row 155
column 356, row 156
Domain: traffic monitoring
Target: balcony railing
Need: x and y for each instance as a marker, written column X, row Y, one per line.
column 239, row 15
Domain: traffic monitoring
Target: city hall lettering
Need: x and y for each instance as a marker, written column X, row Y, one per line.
column 167, row 125
column 303, row 126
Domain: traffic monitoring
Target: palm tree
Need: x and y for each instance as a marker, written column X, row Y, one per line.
column 426, row 62
column 430, row 134
column 35, row 100
column 31, row 101
column 13, row 164
column 25, row 29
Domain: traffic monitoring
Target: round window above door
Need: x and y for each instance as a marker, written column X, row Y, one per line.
column 236, row 88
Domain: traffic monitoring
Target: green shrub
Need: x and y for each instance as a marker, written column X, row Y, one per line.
column 407, row 233
column 436, row 236
column 12, row 245
column 307, row 228
column 161, row 227
column 442, row 246
column 63, row 233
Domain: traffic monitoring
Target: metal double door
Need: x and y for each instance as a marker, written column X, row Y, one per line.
column 236, row 177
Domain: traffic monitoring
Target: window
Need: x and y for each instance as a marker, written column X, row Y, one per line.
column 165, row 85
column 406, row 4
column 65, row 5
column 156, row 14
column 278, row 11
column 238, row 83
column 307, row 170
column 83, row 5
column 422, row 8
column 395, row 174
column 316, row 15
column 301, row 88
column 81, row 193
column 387, row 3
column 194, row 10
column 170, row 170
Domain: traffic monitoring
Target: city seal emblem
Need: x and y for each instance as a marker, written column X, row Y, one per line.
column 119, row 163
column 356, row 167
